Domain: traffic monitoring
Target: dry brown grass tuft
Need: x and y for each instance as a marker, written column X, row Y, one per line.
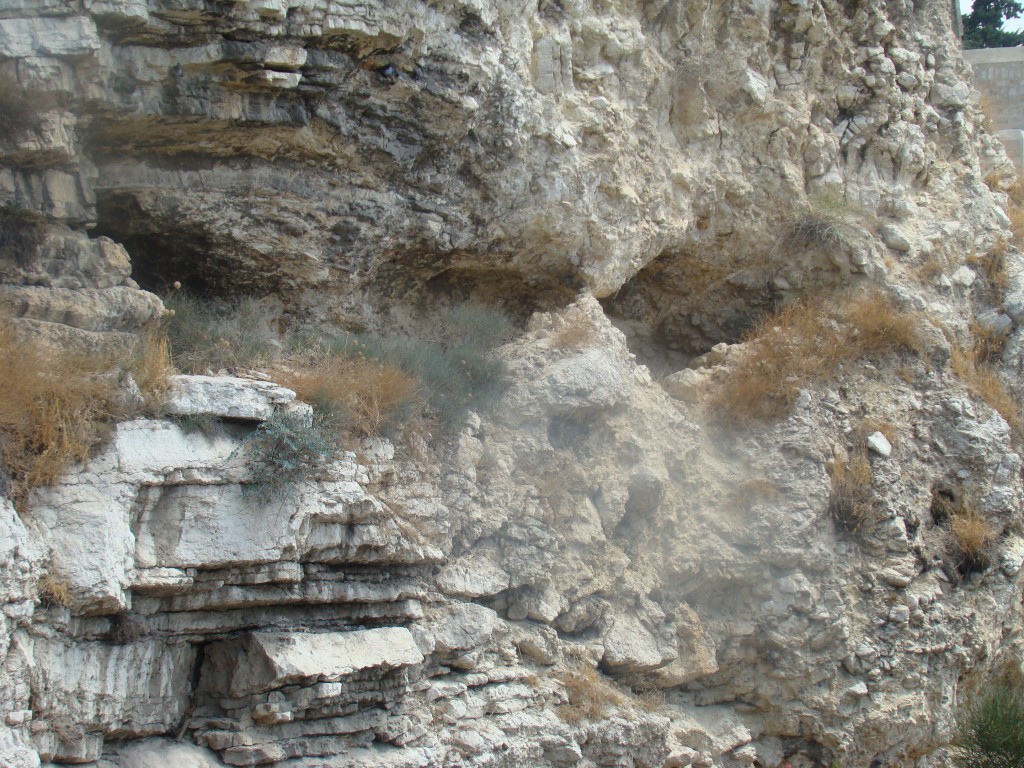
column 575, row 333
column 805, row 342
column 355, row 393
column 869, row 426
column 983, row 381
column 590, row 695
column 781, row 355
column 55, row 409
column 874, row 327
column 849, row 503
column 987, row 344
column 53, row 591
column 930, row 268
column 992, row 264
column 973, row 539
column 151, row 367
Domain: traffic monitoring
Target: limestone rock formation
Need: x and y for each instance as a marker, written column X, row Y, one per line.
column 598, row 569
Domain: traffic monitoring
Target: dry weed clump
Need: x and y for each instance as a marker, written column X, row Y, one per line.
column 969, row 536
column 872, row 326
column 988, row 343
column 355, row 393
column 982, row 379
column 53, row 591
column 206, row 335
column 850, row 502
column 55, row 409
column 574, row 333
column 590, row 695
column 806, row 342
column 992, row 265
column 825, row 221
column 973, row 539
column 151, row 367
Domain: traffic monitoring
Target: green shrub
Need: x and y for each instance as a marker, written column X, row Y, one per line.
column 825, row 221
column 991, row 732
column 286, row 450
column 205, row 336
column 458, row 369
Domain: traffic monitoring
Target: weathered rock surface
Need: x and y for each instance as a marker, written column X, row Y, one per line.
column 635, row 182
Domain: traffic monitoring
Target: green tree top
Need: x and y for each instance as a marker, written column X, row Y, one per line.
column 983, row 26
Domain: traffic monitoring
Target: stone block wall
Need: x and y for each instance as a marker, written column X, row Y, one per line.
column 999, row 75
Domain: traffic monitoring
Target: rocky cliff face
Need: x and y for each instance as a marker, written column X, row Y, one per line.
column 598, row 570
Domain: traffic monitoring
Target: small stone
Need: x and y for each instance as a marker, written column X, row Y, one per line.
column 899, row 614
column 879, row 443
column 19, row 717
column 964, row 276
column 894, row 238
column 225, row 397
column 858, row 689
column 894, row 578
column 681, row 757
column 746, row 754
column 685, row 385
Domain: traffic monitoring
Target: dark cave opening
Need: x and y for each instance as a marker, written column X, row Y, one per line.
column 414, row 287
column 171, row 247
column 681, row 305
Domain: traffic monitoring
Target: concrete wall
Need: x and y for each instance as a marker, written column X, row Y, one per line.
column 999, row 75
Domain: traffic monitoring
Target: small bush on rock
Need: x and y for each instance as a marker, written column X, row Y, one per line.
column 20, row 108
column 151, row 367
column 590, row 695
column 973, row 539
column 990, row 733
column 458, row 369
column 206, row 336
column 286, row 450
column 53, row 591
column 850, row 502
column 824, row 221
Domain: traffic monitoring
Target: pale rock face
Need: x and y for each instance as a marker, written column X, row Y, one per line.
column 277, row 660
column 224, row 397
column 636, row 183
column 160, row 753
